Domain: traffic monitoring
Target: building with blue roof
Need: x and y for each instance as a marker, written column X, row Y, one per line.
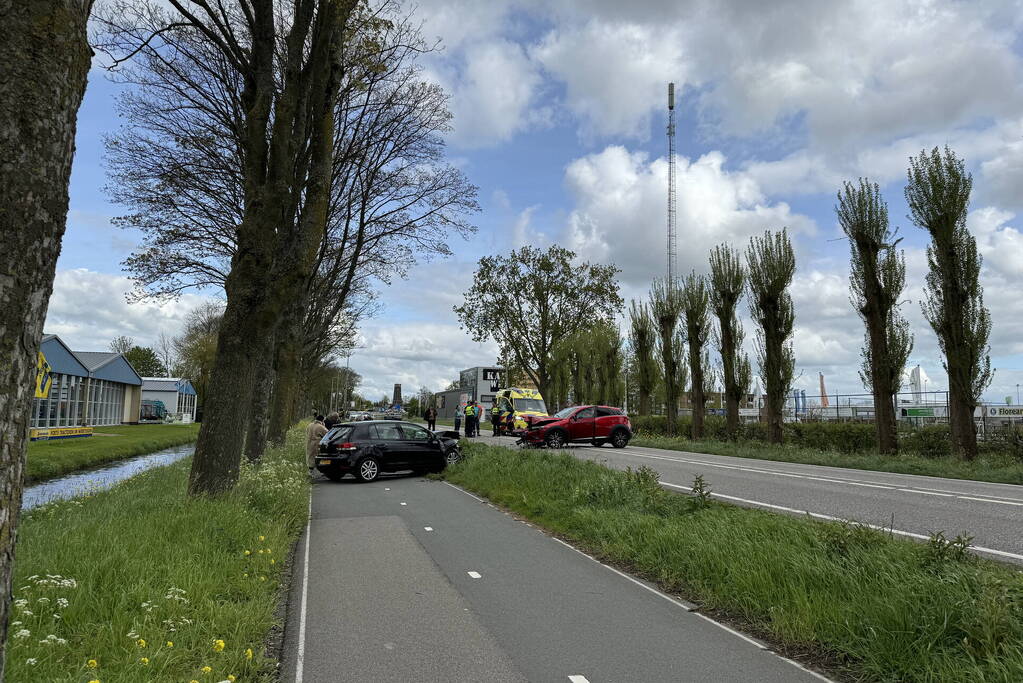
column 175, row 393
column 83, row 388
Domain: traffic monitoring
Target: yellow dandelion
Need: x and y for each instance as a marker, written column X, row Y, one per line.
column 248, row 552
column 218, row 646
column 206, row 669
column 262, row 578
column 273, row 561
column 230, row 677
column 248, row 653
column 260, row 551
column 95, row 680
column 170, row 643
column 144, row 661
column 92, row 664
column 141, row 642
column 262, row 538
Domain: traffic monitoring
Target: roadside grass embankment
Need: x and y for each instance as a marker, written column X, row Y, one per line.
column 140, row 583
column 49, row 459
column 857, row 602
column 993, row 467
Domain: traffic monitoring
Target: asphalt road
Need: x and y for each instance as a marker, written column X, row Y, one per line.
column 408, row 579
column 914, row 505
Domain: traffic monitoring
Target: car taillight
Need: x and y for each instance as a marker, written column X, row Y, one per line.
column 347, row 447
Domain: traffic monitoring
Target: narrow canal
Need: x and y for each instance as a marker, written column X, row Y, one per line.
column 86, row 482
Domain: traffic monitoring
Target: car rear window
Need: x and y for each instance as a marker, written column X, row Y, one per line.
column 604, row 412
column 343, row 433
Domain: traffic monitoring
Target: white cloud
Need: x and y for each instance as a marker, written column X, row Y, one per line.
column 620, row 213
column 88, row 309
column 615, row 74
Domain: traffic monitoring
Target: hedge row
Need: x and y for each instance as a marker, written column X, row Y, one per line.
column 930, row 441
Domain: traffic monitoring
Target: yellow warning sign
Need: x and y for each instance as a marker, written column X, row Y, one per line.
column 43, row 377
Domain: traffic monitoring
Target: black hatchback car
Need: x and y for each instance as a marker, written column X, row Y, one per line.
column 366, row 449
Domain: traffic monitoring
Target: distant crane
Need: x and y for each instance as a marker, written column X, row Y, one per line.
column 672, row 250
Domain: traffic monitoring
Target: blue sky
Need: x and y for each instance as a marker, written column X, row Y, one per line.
column 559, row 119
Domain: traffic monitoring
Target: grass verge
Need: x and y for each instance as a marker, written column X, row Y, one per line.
column 139, row 583
column 48, row 459
column 989, row 467
column 862, row 604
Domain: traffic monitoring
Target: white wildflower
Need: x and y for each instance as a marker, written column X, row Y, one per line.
column 31, row 661
column 62, row 602
column 22, row 634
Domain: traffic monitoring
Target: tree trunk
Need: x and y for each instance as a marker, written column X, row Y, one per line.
column 45, row 56
column 696, row 394
column 644, row 402
column 962, row 427
column 732, row 390
column 287, row 371
column 243, row 334
column 259, row 412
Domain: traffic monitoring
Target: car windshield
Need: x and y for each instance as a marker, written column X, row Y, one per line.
column 339, row 433
column 565, row 412
column 532, row 405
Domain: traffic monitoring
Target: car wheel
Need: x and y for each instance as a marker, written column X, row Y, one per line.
column 452, row 457
column 620, row 439
column 555, row 439
column 368, row 469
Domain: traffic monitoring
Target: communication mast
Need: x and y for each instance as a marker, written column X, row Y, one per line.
column 671, row 185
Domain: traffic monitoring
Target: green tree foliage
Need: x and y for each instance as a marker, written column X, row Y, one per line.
column 196, row 347
column 695, row 310
column 531, row 299
column 727, row 280
column 145, row 361
column 938, row 194
column 665, row 308
column 771, row 263
column 643, row 340
column 877, row 277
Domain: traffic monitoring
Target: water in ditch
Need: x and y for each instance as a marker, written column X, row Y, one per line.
column 89, row 481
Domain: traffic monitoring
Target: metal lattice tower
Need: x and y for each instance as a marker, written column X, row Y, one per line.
column 672, row 248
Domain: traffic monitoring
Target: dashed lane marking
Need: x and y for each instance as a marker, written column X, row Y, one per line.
column 427, row 528
column 475, row 575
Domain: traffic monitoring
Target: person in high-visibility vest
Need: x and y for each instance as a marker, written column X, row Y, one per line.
column 470, row 420
column 495, row 418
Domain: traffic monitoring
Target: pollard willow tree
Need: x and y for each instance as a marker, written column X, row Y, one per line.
column 727, row 281
column 665, row 309
column 44, row 62
column 643, row 339
column 771, row 263
column 531, row 299
column 695, row 300
column 938, row 194
column 877, row 277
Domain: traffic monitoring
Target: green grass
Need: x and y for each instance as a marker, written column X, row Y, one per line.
column 48, row 459
column 862, row 604
column 987, row 467
column 150, row 565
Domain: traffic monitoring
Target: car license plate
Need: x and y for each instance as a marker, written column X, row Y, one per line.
column 325, row 462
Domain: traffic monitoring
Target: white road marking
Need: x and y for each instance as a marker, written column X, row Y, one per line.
column 800, row 666
column 578, row 679
column 404, row 503
column 991, row 500
column 732, row 631
column 387, row 489
column 819, row 515
column 300, row 658
column 428, row 528
column 678, row 603
column 475, row 575
column 917, row 489
column 459, row 488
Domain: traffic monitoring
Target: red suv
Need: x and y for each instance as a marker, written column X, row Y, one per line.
column 596, row 424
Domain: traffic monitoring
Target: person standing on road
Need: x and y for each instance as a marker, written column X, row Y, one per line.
column 459, row 411
column 431, row 418
column 331, row 420
column 469, row 432
column 313, row 433
column 495, row 418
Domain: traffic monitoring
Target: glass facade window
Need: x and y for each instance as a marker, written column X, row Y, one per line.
column 65, row 406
